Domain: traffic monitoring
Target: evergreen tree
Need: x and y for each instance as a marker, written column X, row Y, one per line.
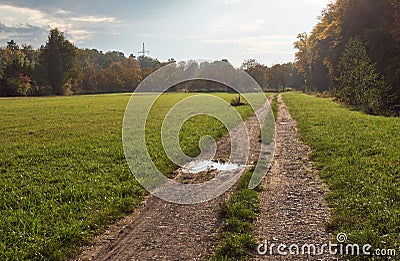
column 359, row 84
column 58, row 61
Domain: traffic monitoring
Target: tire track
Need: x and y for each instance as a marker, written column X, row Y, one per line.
column 160, row 230
column 294, row 210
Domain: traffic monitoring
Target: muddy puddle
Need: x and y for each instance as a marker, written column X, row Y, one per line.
column 205, row 165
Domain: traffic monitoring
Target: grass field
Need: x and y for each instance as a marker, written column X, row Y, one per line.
column 63, row 174
column 358, row 156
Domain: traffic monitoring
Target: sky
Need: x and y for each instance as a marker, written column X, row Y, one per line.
column 193, row 29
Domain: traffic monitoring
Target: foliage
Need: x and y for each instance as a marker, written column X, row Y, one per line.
column 275, row 78
column 120, row 76
column 302, row 57
column 358, row 83
column 376, row 23
column 14, row 70
column 255, row 70
column 60, row 68
column 148, row 65
column 294, row 79
column 109, row 72
column 358, row 157
column 57, row 59
column 191, row 76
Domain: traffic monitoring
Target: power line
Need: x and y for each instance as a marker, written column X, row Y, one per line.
column 143, row 52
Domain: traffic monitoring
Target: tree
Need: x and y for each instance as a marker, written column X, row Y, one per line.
column 15, row 71
column 12, row 45
column 358, row 83
column 277, row 77
column 302, row 57
column 57, row 58
column 110, row 57
column 90, row 70
column 148, row 65
column 376, row 23
column 255, row 70
column 295, row 80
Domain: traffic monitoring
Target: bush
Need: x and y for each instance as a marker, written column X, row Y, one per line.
column 359, row 84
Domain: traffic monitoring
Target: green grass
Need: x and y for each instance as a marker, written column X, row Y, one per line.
column 192, row 130
column 237, row 214
column 63, row 174
column 358, row 156
column 274, row 106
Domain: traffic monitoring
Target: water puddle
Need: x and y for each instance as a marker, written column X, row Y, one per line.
column 199, row 166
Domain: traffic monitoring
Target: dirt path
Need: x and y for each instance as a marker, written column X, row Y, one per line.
column 293, row 206
column 161, row 230
column 293, row 210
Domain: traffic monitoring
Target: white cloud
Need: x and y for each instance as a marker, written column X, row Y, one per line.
column 79, row 35
column 94, row 19
column 20, row 34
column 79, row 28
column 61, row 11
column 14, row 15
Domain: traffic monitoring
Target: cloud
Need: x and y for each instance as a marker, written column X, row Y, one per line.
column 62, row 12
column 78, row 28
column 94, row 19
column 256, row 45
column 36, row 35
column 13, row 15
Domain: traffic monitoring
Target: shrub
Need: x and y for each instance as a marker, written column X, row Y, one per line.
column 359, row 84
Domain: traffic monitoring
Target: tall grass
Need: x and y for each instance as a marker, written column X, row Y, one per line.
column 358, row 156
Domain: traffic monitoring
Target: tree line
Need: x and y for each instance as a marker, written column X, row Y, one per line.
column 60, row 68
column 275, row 78
column 353, row 52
